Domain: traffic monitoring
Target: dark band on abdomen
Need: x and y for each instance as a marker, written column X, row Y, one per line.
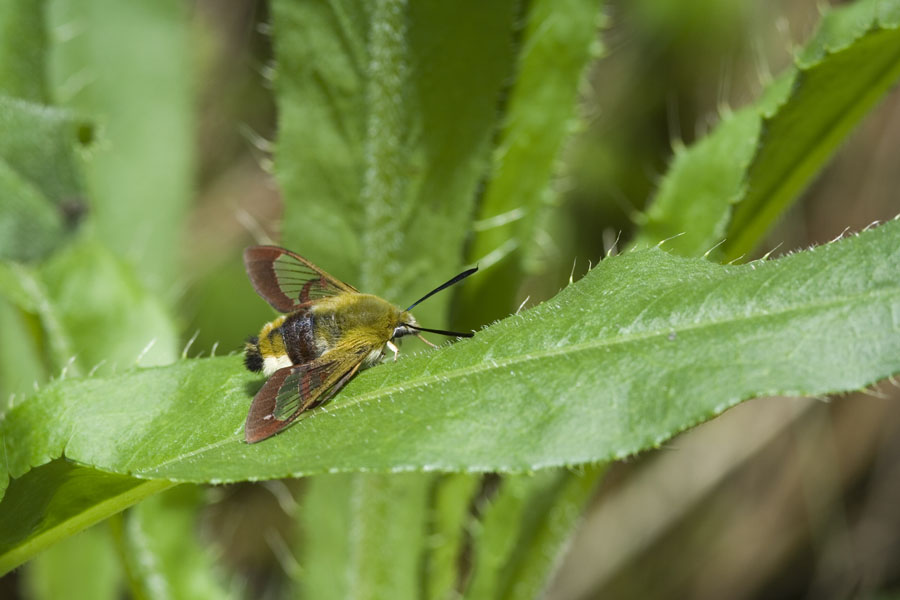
column 297, row 333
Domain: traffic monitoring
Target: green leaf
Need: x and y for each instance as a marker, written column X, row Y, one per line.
column 416, row 240
column 128, row 66
column 39, row 143
column 858, row 45
column 25, row 289
column 164, row 556
column 382, row 143
column 557, row 44
column 451, row 505
column 363, row 536
column 760, row 158
column 320, row 78
column 644, row 346
column 85, row 298
column 97, row 299
column 386, row 543
column 501, row 515
column 21, row 364
column 30, row 225
column 325, row 520
column 23, row 41
column 40, row 186
column 541, row 510
column 57, row 500
column 82, row 567
column 549, row 521
column 40, row 182
column 87, row 309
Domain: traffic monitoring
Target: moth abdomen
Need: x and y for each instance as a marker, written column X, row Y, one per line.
column 253, row 359
column 298, row 334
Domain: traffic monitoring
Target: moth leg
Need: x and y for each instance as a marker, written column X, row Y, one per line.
column 419, row 335
column 394, row 349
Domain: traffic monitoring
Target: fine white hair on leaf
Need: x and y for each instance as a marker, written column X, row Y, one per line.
column 769, row 253
column 871, row 225
column 840, row 235
column 611, row 247
column 527, row 298
column 144, row 352
column 874, row 393
column 499, row 220
column 212, row 351
column 256, row 139
column 65, row 369
column 267, row 70
column 95, row 367
column 763, row 69
column 190, row 342
column 497, row 254
column 708, row 252
column 677, row 235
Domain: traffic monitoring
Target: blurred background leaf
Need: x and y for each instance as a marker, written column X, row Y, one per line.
column 760, row 158
column 167, row 561
column 127, row 65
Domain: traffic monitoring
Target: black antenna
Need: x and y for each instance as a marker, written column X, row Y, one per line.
column 456, row 279
column 442, row 332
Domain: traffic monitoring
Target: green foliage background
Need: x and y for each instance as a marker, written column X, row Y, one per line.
column 143, row 144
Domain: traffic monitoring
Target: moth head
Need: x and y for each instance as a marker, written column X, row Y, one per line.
column 406, row 325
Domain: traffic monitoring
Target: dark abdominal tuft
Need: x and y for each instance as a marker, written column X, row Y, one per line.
column 253, row 360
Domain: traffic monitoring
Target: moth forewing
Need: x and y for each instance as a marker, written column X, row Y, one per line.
column 286, row 280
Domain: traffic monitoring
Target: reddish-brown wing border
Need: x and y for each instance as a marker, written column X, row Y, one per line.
column 288, row 281
column 292, row 385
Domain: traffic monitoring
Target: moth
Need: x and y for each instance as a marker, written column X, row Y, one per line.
column 328, row 333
